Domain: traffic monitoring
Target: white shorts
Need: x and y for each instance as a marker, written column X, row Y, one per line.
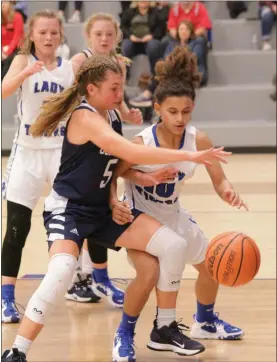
column 27, row 172
column 186, row 227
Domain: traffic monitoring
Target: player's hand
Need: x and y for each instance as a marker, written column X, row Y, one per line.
column 233, row 198
column 164, row 175
column 207, row 156
column 121, row 213
column 134, row 116
column 34, row 68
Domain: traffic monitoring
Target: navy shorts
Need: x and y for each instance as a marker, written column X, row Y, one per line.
column 66, row 220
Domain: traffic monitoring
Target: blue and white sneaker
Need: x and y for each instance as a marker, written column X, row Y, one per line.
column 123, row 348
column 141, row 101
column 217, row 329
column 10, row 312
column 106, row 289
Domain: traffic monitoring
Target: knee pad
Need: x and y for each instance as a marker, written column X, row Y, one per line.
column 18, row 224
column 61, row 268
column 18, row 227
column 170, row 249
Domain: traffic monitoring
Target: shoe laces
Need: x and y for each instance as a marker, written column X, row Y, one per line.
column 82, row 284
column 126, row 339
column 219, row 321
column 11, row 305
column 180, row 328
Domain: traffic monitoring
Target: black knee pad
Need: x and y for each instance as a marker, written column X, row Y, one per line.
column 18, row 227
column 97, row 253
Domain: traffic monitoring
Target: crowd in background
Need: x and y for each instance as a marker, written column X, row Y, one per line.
column 151, row 28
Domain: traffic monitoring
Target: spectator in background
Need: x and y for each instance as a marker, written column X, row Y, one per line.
column 163, row 8
column 22, row 8
column 267, row 12
column 76, row 17
column 12, row 27
column 186, row 37
column 197, row 14
column 142, row 32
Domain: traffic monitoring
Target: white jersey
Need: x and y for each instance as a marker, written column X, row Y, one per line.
column 162, row 201
column 32, row 93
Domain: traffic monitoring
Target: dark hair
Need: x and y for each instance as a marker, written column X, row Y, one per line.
column 177, row 75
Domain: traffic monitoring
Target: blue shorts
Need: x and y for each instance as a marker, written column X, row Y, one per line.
column 66, row 220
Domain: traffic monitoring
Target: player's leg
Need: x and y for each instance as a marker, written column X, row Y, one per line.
column 147, row 274
column 102, row 286
column 147, row 234
column 207, row 323
column 61, row 266
column 22, row 186
column 81, row 288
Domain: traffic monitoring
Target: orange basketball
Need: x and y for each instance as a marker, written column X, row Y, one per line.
column 233, row 259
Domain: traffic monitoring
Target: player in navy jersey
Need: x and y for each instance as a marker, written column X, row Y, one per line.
column 35, row 73
column 103, row 35
column 79, row 203
column 144, row 190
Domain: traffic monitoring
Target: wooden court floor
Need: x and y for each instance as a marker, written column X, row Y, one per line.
column 78, row 332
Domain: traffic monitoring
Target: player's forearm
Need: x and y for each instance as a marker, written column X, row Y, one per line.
column 124, row 112
column 222, row 186
column 113, row 193
column 135, row 176
column 10, row 86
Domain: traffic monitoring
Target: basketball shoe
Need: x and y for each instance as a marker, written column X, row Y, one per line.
column 171, row 338
column 215, row 329
column 81, row 291
column 123, row 348
column 13, row 356
column 9, row 310
column 107, row 289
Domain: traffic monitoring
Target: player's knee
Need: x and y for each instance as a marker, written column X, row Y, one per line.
column 61, row 268
column 19, row 225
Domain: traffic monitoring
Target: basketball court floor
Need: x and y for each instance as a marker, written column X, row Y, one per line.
column 84, row 332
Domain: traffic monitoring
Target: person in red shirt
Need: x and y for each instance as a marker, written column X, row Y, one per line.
column 193, row 11
column 12, row 33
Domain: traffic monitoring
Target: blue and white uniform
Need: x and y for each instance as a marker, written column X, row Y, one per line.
column 162, row 201
column 34, row 161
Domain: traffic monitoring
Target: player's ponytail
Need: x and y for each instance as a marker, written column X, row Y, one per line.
column 59, row 106
column 54, row 110
column 177, row 75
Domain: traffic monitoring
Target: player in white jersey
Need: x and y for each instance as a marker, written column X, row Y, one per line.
column 103, row 34
column 146, row 192
column 35, row 73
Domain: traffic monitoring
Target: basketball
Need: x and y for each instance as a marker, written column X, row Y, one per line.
column 232, row 259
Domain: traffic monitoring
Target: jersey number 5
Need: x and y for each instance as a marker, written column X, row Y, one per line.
column 107, row 173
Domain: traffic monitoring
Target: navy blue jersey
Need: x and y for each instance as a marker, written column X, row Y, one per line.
column 85, row 172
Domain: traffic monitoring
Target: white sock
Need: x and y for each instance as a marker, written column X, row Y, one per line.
column 77, row 271
column 22, row 344
column 165, row 317
column 87, row 265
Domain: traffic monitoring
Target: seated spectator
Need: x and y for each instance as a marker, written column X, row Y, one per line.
column 12, row 33
column 186, row 37
column 267, row 13
column 197, row 14
column 22, row 8
column 76, row 17
column 162, row 8
column 142, row 31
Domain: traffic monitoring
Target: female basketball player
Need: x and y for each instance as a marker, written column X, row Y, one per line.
column 35, row 73
column 78, row 205
column 103, row 35
column 178, row 77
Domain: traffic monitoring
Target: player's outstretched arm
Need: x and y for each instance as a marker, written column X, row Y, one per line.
column 91, row 126
column 221, row 184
